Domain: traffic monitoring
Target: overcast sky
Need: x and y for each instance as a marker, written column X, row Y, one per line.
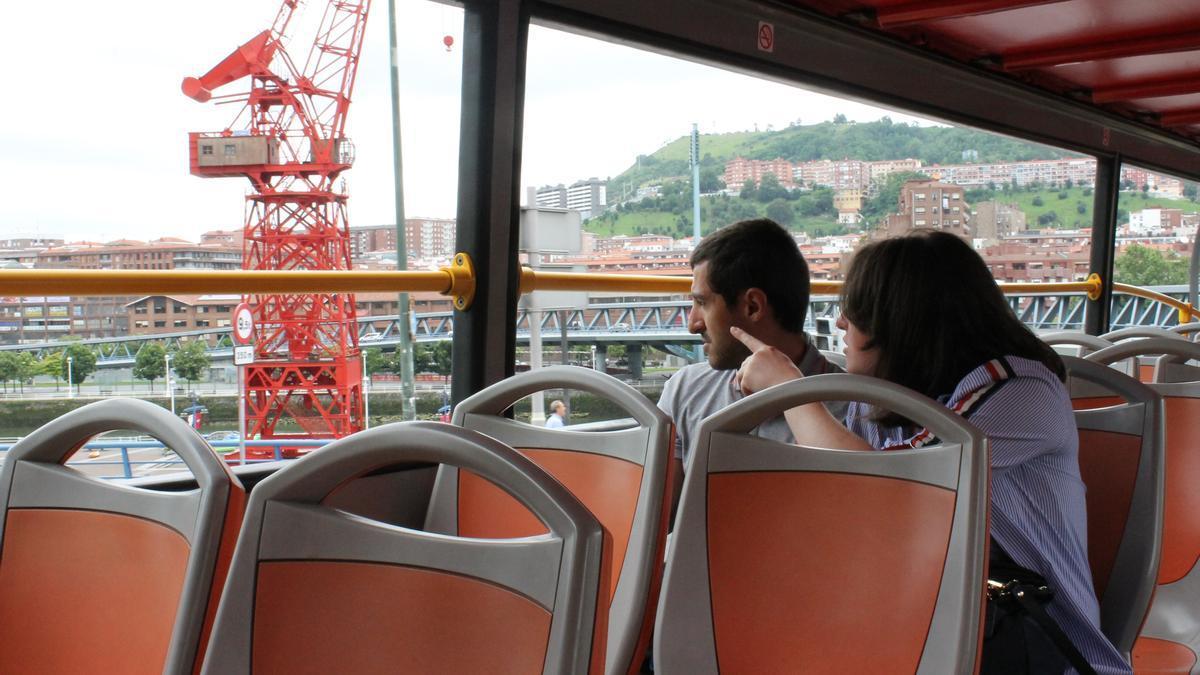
column 93, row 126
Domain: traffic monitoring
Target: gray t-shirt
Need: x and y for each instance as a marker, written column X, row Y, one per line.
column 697, row 391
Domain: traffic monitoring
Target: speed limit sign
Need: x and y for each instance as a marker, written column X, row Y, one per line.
column 243, row 324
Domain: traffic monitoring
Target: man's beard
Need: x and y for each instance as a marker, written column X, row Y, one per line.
column 728, row 358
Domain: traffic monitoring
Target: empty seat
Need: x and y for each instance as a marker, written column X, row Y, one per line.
column 1170, row 640
column 314, row 589
column 99, row 577
column 1190, row 331
column 1074, row 343
column 792, row 559
column 620, row 475
column 1121, row 454
column 1145, row 360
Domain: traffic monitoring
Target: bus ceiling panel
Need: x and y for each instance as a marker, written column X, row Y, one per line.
column 1103, row 73
column 832, row 56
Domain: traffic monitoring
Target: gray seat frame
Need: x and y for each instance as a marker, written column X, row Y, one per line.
column 647, row 444
column 1131, row 582
column 683, row 641
column 34, row 477
column 287, row 519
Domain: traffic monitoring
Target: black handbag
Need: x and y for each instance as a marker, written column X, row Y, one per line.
column 1019, row 637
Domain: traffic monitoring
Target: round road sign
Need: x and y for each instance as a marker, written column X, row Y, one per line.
column 243, row 324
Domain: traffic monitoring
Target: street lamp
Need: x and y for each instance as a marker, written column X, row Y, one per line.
column 170, row 389
column 70, row 379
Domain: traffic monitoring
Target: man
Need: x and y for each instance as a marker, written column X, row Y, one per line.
column 558, row 416
column 750, row 275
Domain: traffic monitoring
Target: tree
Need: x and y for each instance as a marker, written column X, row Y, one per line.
column 8, row 368
column 190, row 361
column 433, row 357
column 769, row 189
column 376, row 361
column 781, row 212
column 82, row 363
column 1145, row 266
column 1064, row 194
column 1037, row 201
column 749, row 190
column 1080, row 208
column 150, row 363
column 1047, row 218
column 27, row 368
column 53, row 364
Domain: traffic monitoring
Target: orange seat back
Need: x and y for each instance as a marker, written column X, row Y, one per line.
column 100, row 577
column 621, row 475
column 794, row 559
column 316, row 589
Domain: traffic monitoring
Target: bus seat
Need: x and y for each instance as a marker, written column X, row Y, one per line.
column 1190, row 331
column 314, row 589
column 100, row 577
column 795, row 559
column 622, row 476
column 1121, row 460
column 1145, row 360
column 1074, row 343
column 1171, row 634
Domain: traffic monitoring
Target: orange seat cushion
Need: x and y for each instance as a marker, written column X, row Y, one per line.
column 365, row 618
column 607, row 486
column 1162, row 657
column 1181, row 505
column 88, row 592
column 1108, row 464
column 811, row 572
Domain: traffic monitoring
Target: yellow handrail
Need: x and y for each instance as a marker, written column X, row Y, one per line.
column 1186, row 311
column 457, row 280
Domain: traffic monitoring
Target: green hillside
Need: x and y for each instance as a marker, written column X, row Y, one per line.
column 868, row 141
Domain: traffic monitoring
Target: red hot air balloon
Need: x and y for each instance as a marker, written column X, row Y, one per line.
column 448, row 41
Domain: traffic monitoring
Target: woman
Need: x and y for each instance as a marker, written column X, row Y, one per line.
column 924, row 312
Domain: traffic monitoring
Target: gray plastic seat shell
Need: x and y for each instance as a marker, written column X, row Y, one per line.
column 1131, row 583
column 33, row 477
column 647, row 444
column 683, row 633
column 559, row 570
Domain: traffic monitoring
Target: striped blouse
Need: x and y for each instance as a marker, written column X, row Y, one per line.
column 1038, row 511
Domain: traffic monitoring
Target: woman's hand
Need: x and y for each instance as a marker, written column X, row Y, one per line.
column 765, row 367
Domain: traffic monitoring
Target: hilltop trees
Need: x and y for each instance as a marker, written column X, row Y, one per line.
column 79, row 361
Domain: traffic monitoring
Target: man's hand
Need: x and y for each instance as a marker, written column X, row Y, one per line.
column 765, row 367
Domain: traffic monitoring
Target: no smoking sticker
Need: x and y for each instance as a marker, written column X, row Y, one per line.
column 766, row 36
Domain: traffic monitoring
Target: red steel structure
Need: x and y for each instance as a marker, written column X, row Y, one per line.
column 289, row 140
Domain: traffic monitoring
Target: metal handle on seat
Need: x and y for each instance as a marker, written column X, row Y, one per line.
column 55, row 441
column 1141, row 332
column 313, row 477
column 498, row 397
column 1069, row 337
column 1177, row 347
column 751, row 411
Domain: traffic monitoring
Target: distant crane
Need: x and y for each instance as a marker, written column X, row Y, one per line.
column 289, row 140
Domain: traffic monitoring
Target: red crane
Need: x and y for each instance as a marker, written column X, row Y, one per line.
column 289, row 140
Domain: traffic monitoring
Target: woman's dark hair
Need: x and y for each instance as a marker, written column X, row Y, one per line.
column 930, row 305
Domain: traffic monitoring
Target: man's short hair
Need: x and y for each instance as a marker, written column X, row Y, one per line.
column 556, row 404
column 758, row 253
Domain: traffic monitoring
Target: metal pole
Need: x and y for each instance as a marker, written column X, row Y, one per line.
column 70, row 379
column 241, row 397
column 404, row 350
column 695, row 147
column 366, row 393
column 170, row 387
column 1104, row 241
